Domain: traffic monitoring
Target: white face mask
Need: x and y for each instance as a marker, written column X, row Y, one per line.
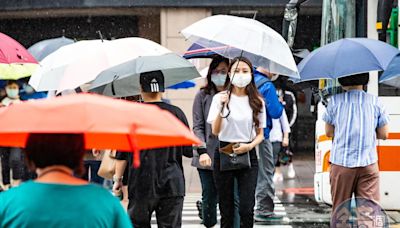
column 12, row 93
column 218, row 79
column 241, row 80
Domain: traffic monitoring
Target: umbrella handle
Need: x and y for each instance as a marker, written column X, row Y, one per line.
column 134, row 146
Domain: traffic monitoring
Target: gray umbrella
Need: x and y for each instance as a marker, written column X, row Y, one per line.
column 123, row 80
column 44, row 48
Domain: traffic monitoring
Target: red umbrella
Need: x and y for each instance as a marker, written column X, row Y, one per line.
column 106, row 123
column 15, row 60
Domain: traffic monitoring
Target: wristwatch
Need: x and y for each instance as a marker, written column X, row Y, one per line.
column 117, row 179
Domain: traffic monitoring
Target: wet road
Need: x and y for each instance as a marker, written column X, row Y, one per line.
column 294, row 199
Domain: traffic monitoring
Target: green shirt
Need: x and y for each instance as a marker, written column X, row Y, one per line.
column 34, row 204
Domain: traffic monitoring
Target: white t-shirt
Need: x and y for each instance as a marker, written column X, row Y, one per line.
column 279, row 126
column 239, row 124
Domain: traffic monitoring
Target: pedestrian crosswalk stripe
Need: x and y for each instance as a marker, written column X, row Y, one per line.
column 190, row 218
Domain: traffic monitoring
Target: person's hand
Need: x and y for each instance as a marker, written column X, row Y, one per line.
column 243, row 148
column 281, row 99
column 205, row 160
column 117, row 187
column 285, row 142
column 224, row 97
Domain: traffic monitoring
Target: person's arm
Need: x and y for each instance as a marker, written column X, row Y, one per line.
column 382, row 130
column 294, row 117
column 120, row 166
column 328, row 117
column 199, row 121
column 329, row 130
column 214, row 117
column 187, row 151
column 274, row 106
column 246, row 147
column 285, row 129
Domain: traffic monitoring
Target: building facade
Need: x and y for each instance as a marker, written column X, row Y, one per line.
column 30, row 21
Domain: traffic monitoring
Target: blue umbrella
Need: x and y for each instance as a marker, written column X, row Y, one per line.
column 346, row 57
column 183, row 85
column 391, row 76
column 45, row 47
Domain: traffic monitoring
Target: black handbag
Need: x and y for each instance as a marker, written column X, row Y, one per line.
column 234, row 161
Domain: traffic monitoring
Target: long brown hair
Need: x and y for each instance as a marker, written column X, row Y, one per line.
column 251, row 91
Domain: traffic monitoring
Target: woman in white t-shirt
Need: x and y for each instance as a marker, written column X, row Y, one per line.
column 238, row 117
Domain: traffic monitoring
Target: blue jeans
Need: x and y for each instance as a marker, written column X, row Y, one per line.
column 209, row 197
column 94, row 166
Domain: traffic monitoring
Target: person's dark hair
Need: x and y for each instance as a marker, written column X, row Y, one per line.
column 45, row 150
column 251, row 91
column 210, row 86
column 10, row 82
column 354, row 80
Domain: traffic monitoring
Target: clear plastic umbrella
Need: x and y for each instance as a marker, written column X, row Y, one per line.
column 246, row 37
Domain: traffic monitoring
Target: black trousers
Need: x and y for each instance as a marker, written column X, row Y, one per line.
column 247, row 182
column 168, row 212
column 12, row 159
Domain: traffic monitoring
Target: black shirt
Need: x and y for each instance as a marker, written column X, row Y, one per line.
column 160, row 174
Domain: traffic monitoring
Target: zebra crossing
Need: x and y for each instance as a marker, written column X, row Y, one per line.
column 190, row 218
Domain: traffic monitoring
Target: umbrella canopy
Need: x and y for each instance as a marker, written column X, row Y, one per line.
column 254, row 40
column 197, row 51
column 106, row 123
column 87, row 59
column 44, row 48
column 391, row 76
column 15, row 60
column 123, row 80
column 183, row 85
column 65, row 62
column 346, row 57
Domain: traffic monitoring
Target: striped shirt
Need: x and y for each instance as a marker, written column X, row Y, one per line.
column 355, row 115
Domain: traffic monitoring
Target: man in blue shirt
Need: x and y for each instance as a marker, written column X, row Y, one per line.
column 265, row 191
column 355, row 119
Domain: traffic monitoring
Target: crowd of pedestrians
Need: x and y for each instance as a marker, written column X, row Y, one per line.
column 244, row 123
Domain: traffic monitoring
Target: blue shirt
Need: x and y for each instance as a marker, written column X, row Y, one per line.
column 273, row 106
column 34, row 204
column 355, row 115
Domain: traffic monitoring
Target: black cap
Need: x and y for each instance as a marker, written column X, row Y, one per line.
column 152, row 82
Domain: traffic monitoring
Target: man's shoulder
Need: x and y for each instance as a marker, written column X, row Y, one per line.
column 172, row 109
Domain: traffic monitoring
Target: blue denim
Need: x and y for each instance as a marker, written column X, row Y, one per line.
column 209, row 197
column 94, row 166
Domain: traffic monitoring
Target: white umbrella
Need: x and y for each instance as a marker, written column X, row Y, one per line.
column 123, row 80
column 254, row 40
column 81, row 62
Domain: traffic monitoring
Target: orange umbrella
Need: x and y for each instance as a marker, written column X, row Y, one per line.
column 105, row 122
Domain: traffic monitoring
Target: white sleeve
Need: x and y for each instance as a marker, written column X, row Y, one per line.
column 214, row 109
column 284, row 123
column 263, row 116
column 294, row 117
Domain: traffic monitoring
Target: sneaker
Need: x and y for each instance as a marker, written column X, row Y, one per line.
column 291, row 173
column 268, row 218
column 278, row 177
column 199, row 206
